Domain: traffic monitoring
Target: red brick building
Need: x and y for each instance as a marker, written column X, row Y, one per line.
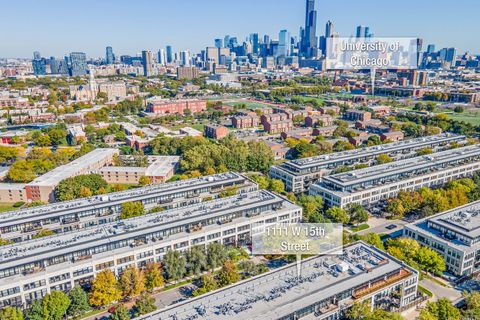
column 358, row 115
column 321, row 120
column 392, row 136
column 278, row 126
column 273, row 117
column 215, row 131
column 242, row 122
column 163, row 107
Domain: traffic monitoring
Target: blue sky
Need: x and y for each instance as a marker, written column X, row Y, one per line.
column 56, row 27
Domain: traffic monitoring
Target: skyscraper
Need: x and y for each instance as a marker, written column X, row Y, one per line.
column 284, row 43
column 361, row 30
column 162, row 57
column 185, row 58
column 78, row 64
column 431, row 48
column 212, row 54
column 255, row 42
column 109, row 56
column 39, row 64
column 169, row 54
column 328, row 34
column 218, row 43
column 147, row 61
column 309, row 37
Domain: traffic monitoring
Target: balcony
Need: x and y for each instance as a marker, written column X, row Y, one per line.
column 379, row 284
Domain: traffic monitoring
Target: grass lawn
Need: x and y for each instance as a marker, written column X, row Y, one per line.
column 472, row 117
column 6, row 206
column 425, row 291
column 198, row 126
column 360, row 227
column 248, row 104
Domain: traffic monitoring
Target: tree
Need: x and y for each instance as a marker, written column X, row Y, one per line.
column 153, row 276
column 11, row 313
column 311, row 206
column 277, row 186
column 145, row 304
column 216, row 255
column 384, row 158
column 57, row 136
column 55, row 305
column 43, row 141
column 175, row 265
column 36, row 311
column 132, row 282
column 79, row 302
column 359, row 311
column 374, row 239
column 120, row 313
column 104, row 289
column 132, row 209
column 144, row 181
column 357, row 213
column 443, row 310
column 337, row 215
column 430, row 260
column 229, row 273
column 208, row 284
column 196, row 260
column 21, row 171
column 472, row 302
column 76, row 187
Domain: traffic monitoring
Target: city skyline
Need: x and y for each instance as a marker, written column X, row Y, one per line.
column 158, row 25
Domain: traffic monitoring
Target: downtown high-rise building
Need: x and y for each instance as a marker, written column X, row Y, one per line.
column 169, row 54
column 109, row 56
column 185, row 58
column 147, row 62
column 162, row 57
column 39, row 64
column 219, row 43
column 78, row 64
column 284, row 44
column 309, row 38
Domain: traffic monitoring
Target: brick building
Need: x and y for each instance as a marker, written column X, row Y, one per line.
column 164, row 107
column 215, row 131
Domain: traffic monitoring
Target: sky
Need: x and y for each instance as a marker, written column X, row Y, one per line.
column 57, row 27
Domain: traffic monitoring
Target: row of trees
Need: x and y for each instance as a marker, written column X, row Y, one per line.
column 444, row 310
column 209, row 157
column 426, row 202
column 81, row 186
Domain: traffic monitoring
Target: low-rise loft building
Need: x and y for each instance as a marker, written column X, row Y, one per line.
column 22, row 224
column 325, row 289
column 298, row 175
column 454, row 234
column 31, row 269
column 368, row 187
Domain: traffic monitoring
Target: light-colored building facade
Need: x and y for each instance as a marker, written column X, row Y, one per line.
column 31, row 269
column 326, row 288
column 368, row 187
column 298, row 175
column 454, row 234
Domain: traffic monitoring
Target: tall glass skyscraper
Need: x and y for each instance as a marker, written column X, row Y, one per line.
column 284, row 44
column 78, row 64
column 309, row 34
column 109, row 56
column 147, row 61
column 169, row 54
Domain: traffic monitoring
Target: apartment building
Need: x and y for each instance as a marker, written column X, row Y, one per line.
column 454, row 234
column 43, row 187
column 368, row 187
column 31, row 269
column 164, row 107
column 298, row 175
column 325, row 289
column 22, row 224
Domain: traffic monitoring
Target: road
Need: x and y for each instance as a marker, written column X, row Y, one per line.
column 379, row 225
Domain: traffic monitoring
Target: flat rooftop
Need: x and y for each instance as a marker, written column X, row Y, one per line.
column 53, row 177
column 464, row 220
column 162, row 166
column 79, row 205
column 280, row 292
column 325, row 160
column 418, row 165
column 59, row 244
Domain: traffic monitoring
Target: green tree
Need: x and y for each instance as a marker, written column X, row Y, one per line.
column 208, row 284
column 36, row 311
column 104, row 289
column 229, row 273
column 55, row 305
column 472, row 308
column 132, row 209
column 11, row 313
column 175, row 265
column 79, row 302
column 144, row 181
column 216, row 255
column 277, row 186
column 76, row 187
column 57, row 136
column 43, row 141
column 311, row 206
column 359, row 311
column 153, row 276
column 196, row 260
column 443, row 310
column 357, row 213
column 120, row 313
column 145, row 304
column 132, row 282
column 337, row 215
